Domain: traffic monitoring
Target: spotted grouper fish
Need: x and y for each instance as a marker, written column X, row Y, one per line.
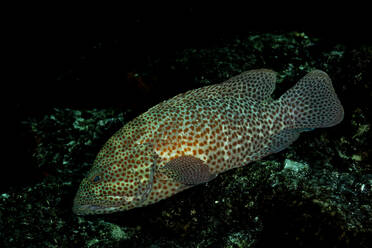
column 195, row 136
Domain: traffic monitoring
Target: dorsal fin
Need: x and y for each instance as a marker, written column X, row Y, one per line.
column 256, row 84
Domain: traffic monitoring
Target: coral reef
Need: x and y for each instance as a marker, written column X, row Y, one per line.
column 317, row 192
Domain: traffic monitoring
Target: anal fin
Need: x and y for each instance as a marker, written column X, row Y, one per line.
column 282, row 140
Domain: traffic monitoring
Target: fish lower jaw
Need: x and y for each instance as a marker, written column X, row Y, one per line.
column 105, row 207
column 93, row 209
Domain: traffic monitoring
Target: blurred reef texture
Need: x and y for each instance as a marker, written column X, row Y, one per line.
column 315, row 193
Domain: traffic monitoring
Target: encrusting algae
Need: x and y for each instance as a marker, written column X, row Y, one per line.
column 194, row 136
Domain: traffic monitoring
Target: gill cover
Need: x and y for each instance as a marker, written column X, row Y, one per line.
column 143, row 169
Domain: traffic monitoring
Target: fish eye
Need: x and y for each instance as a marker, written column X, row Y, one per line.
column 96, row 178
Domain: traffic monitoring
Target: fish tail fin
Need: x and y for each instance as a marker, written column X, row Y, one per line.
column 312, row 103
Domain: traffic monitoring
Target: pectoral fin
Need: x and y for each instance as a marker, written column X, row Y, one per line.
column 188, row 170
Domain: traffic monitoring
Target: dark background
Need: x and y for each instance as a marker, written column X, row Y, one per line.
column 64, row 54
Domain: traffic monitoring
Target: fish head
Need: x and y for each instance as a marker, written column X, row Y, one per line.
column 119, row 180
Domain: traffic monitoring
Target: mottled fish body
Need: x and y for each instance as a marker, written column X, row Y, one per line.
column 193, row 137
